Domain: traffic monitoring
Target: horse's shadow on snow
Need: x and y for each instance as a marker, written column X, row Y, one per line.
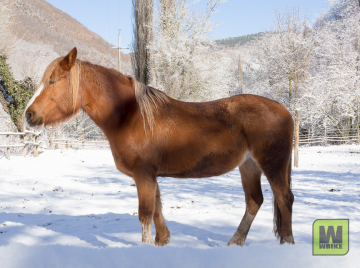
column 104, row 230
column 123, row 230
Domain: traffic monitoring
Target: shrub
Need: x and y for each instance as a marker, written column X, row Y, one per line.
column 16, row 94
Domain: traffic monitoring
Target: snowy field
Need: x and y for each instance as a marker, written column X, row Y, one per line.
column 72, row 208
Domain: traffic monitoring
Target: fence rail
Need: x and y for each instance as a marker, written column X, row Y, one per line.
column 83, row 144
column 34, row 136
column 324, row 139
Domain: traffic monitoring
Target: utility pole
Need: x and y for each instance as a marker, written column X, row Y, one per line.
column 120, row 48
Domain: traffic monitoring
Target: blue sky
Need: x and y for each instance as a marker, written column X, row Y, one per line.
column 236, row 17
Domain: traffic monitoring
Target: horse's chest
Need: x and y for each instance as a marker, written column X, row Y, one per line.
column 123, row 162
column 123, row 168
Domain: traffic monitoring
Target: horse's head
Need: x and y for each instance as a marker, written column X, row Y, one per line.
column 56, row 99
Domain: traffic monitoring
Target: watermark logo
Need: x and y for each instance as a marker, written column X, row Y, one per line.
column 330, row 237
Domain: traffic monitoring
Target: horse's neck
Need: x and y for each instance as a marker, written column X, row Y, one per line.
column 105, row 97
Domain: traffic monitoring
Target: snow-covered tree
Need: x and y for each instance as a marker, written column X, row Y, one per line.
column 283, row 60
column 336, row 66
column 185, row 62
column 314, row 69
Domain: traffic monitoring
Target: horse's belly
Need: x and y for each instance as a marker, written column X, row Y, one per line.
column 207, row 166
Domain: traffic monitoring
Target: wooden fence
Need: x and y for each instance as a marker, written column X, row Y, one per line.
column 327, row 136
column 69, row 143
column 326, row 140
column 77, row 141
column 33, row 136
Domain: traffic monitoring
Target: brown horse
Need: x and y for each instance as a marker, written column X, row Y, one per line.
column 151, row 135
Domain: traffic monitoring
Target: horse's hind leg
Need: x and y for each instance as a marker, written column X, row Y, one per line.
column 250, row 178
column 283, row 202
column 278, row 172
column 162, row 232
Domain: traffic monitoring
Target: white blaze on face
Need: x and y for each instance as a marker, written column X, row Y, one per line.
column 37, row 93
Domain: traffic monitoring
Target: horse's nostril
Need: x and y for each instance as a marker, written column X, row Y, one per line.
column 29, row 116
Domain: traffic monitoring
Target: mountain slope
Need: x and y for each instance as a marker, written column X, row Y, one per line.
column 240, row 40
column 45, row 32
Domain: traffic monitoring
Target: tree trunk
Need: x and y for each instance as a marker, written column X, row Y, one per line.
column 142, row 31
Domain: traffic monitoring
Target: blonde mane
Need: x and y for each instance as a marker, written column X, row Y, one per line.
column 147, row 99
column 48, row 71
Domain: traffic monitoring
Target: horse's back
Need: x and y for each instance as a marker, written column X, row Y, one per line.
column 246, row 114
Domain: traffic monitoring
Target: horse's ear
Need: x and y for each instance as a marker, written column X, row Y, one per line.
column 69, row 60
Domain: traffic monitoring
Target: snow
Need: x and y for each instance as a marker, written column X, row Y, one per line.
column 72, row 208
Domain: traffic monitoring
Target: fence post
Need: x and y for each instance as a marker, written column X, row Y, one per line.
column 24, row 150
column 358, row 130
column 33, row 139
column 309, row 136
column 325, row 136
column 296, row 147
column 83, row 137
column 67, row 139
column 8, row 148
column 25, row 145
column 36, row 151
column 51, row 140
column 56, row 137
column 7, row 141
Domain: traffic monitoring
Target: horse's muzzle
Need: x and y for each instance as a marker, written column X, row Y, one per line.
column 33, row 121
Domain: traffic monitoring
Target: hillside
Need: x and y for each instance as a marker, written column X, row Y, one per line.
column 240, row 40
column 44, row 32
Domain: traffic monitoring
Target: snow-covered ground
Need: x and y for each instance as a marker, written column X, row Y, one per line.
column 72, row 208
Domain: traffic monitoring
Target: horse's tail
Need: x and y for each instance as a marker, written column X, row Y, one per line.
column 277, row 214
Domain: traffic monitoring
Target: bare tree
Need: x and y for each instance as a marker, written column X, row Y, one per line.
column 142, row 30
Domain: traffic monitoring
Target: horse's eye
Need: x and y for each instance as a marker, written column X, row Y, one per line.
column 52, row 82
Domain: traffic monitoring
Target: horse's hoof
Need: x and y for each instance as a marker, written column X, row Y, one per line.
column 148, row 241
column 166, row 241
column 162, row 243
column 236, row 242
column 288, row 239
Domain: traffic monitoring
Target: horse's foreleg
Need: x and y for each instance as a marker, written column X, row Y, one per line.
column 250, row 178
column 146, row 187
column 162, row 232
